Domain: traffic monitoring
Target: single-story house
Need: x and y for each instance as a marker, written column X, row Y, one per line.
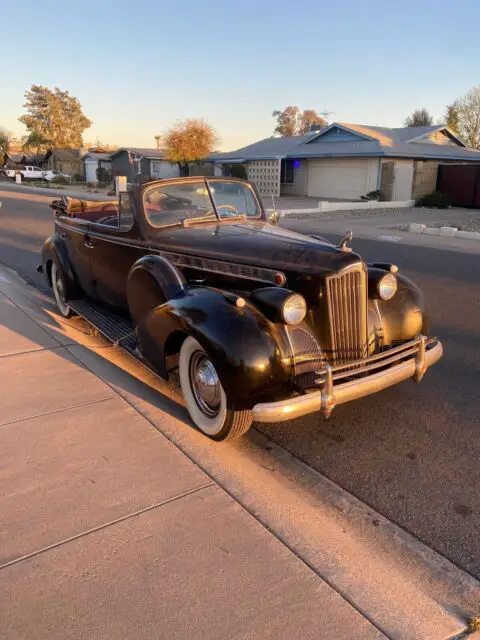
column 13, row 160
column 140, row 165
column 19, row 160
column 67, row 161
column 94, row 160
column 347, row 161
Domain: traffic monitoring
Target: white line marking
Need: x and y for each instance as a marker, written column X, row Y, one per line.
column 390, row 238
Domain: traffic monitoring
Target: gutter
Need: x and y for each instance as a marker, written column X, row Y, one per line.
column 360, row 154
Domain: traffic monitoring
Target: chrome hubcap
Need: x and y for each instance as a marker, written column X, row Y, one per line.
column 205, row 384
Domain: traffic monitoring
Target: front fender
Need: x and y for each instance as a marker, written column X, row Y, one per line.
column 55, row 250
column 404, row 316
column 244, row 346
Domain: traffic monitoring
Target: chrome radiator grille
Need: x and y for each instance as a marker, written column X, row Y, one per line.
column 347, row 312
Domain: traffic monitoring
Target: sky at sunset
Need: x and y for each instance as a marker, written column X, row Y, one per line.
column 138, row 66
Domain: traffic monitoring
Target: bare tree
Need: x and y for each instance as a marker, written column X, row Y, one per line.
column 419, row 118
column 468, row 108
column 189, row 141
column 451, row 118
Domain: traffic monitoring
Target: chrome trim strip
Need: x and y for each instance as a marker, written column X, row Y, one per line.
column 330, row 396
column 211, row 265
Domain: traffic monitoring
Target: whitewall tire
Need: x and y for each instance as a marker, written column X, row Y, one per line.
column 58, row 286
column 204, row 395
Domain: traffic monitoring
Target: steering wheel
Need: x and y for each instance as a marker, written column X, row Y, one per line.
column 228, row 207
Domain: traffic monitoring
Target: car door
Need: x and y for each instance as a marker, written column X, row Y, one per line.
column 114, row 248
column 74, row 234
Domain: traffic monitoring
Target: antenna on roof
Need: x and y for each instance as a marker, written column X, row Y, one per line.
column 326, row 114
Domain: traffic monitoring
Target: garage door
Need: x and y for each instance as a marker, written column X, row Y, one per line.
column 347, row 179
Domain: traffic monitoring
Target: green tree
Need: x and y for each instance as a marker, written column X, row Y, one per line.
column 37, row 142
column 452, row 117
column 308, row 119
column 54, row 115
column 4, row 146
column 468, row 108
column 189, row 141
column 419, row 118
column 293, row 122
column 287, row 121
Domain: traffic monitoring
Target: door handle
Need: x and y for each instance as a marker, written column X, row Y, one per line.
column 64, row 236
column 88, row 243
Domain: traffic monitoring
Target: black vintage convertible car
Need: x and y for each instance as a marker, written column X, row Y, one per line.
column 267, row 324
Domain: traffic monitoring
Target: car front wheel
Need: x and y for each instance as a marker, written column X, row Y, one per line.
column 204, row 395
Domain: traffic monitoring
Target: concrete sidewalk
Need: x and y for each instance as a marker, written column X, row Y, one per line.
column 119, row 521
column 109, row 531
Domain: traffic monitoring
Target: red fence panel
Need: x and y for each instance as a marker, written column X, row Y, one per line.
column 460, row 182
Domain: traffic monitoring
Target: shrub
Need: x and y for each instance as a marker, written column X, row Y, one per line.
column 436, row 199
column 60, row 180
column 371, row 195
column 236, row 171
column 103, row 175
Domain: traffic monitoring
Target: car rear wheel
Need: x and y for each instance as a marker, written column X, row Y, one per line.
column 204, row 395
column 58, row 286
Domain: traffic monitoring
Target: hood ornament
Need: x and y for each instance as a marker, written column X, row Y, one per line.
column 345, row 241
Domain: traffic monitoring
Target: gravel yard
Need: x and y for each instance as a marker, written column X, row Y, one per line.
column 467, row 225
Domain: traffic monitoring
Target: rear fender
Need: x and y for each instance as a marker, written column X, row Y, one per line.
column 55, row 250
column 152, row 281
column 246, row 349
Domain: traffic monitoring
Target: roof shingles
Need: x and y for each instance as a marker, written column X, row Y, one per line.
column 372, row 141
column 144, row 152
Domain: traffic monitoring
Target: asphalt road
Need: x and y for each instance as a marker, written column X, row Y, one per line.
column 411, row 452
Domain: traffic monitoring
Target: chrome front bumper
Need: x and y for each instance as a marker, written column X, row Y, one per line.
column 409, row 360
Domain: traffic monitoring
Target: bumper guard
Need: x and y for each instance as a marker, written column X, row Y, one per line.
column 346, row 382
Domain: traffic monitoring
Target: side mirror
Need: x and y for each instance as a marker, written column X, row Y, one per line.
column 273, row 217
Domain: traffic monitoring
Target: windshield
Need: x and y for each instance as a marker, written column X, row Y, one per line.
column 175, row 203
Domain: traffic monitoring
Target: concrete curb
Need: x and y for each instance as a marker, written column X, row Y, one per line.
column 450, row 232
column 327, row 207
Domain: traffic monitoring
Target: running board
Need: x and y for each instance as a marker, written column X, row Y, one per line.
column 118, row 330
column 112, row 326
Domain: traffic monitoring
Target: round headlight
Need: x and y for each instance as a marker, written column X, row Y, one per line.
column 294, row 309
column 387, row 286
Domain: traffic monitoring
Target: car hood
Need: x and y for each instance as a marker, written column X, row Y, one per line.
column 255, row 243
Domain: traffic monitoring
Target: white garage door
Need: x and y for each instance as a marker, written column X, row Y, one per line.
column 347, row 179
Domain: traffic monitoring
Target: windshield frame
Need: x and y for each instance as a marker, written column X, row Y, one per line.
column 208, row 181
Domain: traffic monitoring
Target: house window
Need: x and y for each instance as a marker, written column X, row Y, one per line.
column 287, row 171
column 137, row 165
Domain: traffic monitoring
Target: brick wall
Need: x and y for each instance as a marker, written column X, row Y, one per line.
column 266, row 175
column 424, row 178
